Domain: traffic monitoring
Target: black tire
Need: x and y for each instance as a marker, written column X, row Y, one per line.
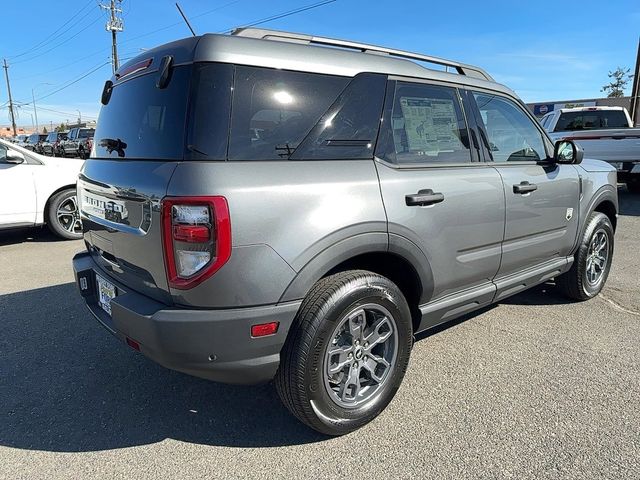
column 633, row 186
column 81, row 153
column 300, row 380
column 62, row 226
column 575, row 284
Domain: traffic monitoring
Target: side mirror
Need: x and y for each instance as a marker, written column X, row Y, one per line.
column 568, row 152
column 14, row 157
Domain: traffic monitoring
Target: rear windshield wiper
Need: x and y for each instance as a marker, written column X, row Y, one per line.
column 112, row 145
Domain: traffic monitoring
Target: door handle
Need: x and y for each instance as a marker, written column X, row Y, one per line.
column 525, row 187
column 423, row 198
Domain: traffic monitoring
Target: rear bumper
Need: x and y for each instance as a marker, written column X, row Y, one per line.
column 212, row 344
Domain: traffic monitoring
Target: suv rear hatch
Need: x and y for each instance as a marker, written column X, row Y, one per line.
column 139, row 141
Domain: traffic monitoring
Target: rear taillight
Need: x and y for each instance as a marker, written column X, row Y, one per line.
column 197, row 238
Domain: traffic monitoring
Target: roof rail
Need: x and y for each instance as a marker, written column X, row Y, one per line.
column 265, row 34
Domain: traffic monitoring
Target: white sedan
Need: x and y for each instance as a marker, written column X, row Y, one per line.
column 37, row 190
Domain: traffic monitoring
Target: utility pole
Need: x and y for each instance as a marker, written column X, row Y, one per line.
column 635, row 92
column 114, row 25
column 13, row 117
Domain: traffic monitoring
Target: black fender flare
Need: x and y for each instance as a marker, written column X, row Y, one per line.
column 350, row 247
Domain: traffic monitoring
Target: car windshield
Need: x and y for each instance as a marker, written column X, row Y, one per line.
column 591, row 120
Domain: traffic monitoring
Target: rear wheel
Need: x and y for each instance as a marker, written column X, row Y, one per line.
column 347, row 352
column 64, row 215
column 592, row 262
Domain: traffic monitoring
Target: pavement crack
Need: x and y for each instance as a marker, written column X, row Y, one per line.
column 617, row 306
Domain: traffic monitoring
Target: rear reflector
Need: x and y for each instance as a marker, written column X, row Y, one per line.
column 133, row 344
column 264, row 329
column 191, row 233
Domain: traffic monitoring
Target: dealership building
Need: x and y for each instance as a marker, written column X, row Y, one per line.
column 542, row 108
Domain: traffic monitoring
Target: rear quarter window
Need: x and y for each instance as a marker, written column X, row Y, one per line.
column 591, row 120
column 274, row 110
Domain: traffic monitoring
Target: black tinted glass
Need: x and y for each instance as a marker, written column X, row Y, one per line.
column 591, row 119
column 511, row 134
column 428, row 125
column 209, row 111
column 273, row 110
column 143, row 121
column 348, row 130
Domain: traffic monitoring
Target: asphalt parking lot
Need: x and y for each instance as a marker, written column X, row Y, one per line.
column 535, row 387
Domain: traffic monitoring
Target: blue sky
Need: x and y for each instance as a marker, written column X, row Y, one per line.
column 544, row 50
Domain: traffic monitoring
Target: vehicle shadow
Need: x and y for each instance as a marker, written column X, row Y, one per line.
column 28, row 235
column 629, row 203
column 69, row 386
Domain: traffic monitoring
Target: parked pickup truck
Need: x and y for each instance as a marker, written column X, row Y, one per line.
column 605, row 133
column 77, row 144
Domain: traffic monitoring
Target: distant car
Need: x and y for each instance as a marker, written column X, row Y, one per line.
column 20, row 139
column 36, row 190
column 78, row 143
column 34, row 142
column 51, row 145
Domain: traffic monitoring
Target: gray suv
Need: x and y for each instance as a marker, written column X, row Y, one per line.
column 269, row 205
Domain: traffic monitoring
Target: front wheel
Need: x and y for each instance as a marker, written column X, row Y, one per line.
column 64, row 215
column 592, row 261
column 347, row 352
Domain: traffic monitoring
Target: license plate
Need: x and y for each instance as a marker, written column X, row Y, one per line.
column 106, row 292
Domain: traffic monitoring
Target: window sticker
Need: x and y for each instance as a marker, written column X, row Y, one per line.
column 430, row 125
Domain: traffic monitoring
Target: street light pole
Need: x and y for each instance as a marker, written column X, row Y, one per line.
column 33, row 98
column 79, row 118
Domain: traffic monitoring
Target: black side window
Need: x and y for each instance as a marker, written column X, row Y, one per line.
column 348, row 130
column 427, row 126
column 209, row 111
column 274, row 110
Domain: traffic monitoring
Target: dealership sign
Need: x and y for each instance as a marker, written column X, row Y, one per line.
column 540, row 109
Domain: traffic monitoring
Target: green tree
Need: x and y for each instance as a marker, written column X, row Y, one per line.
column 61, row 128
column 44, row 130
column 620, row 77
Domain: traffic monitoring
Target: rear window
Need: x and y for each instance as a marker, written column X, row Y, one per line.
column 143, row 121
column 591, row 120
column 86, row 133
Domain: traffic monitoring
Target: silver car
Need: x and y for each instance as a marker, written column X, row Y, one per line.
column 269, row 205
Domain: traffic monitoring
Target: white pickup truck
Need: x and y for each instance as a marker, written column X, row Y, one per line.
column 605, row 133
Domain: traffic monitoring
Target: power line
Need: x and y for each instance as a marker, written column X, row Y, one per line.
column 73, row 82
column 38, row 55
column 281, row 15
column 49, row 37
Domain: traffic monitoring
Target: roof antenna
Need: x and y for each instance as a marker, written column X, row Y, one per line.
column 186, row 20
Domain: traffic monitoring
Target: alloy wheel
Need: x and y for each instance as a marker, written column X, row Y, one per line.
column 68, row 215
column 360, row 356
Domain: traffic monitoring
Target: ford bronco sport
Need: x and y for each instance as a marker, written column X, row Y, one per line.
column 269, row 205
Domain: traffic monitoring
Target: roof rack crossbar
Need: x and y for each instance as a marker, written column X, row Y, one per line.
column 265, row 34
